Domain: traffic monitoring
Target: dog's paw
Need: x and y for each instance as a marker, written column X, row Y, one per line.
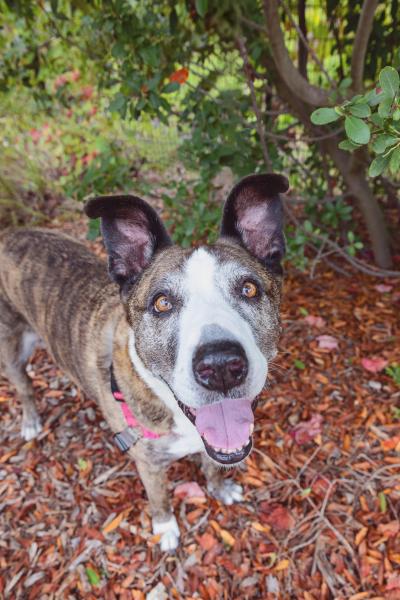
column 169, row 531
column 30, row 428
column 228, row 492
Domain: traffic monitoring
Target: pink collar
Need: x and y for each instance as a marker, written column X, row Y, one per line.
column 127, row 438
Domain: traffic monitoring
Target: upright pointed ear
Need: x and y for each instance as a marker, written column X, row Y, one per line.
column 132, row 233
column 253, row 215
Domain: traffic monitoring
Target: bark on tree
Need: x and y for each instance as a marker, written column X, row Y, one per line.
column 302, row 97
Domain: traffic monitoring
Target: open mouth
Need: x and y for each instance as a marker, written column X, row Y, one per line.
column 225, row 427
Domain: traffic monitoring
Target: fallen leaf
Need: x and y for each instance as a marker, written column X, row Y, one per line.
column 277, row 516
column 393, row 582
column 191, row 489
column 226, row 537
column 93, row 576
column 389, row 529
column 383, row 288
column 282, row 565
column 390, row 443
column 114, row 523
column 374, row 364
column 315, row 321
column 327, row 342
column 207, row 541
column 306, row 431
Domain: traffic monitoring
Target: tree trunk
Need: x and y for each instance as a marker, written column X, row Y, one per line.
column 352, row 169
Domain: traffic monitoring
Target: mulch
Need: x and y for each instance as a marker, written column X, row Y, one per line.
column 320, row 517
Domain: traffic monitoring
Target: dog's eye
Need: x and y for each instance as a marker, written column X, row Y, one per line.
column 161, row 304
column 249, row 289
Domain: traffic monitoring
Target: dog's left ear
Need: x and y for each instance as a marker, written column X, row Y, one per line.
column 132, row 233
column 253, row 216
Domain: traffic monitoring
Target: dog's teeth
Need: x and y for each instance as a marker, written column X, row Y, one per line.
column 251, row 428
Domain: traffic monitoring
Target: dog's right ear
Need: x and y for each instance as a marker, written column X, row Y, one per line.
column 132, row 233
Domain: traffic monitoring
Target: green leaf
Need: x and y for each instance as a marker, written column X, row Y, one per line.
column 348, row 145
column 93, row 229
column 357, row 130
column 378, row 165
column 173, row 86
column 82, row 464
column 299, row 364
column 322, row 116
column 389, row 80
column 384, row 107
column 373, row 97
column 396, row 115
column 93, row 576
column 360, row 110
column 118, row 104
column 377, row 120
column 394, row 164
column 201, row 7
column 382, row 501
column 383, row 141
column 345, row 83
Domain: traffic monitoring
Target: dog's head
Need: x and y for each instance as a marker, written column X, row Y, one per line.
column 205, row 321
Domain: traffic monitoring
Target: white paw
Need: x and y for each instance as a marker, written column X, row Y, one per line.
column 169, row 531
column 228, row 492
column 30, row 428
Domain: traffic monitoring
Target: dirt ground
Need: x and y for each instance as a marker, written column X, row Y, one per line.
column 321, row 512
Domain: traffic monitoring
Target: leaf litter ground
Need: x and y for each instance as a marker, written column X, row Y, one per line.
column 320, row 517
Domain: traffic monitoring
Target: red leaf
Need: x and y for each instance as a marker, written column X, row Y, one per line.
column 374, row 364
column 180, row 76
column 306, row 431
column 327, row 342
column 277, row 516
column 393, row 582
column 382, row 288
column 191, row 489
column 207, row 541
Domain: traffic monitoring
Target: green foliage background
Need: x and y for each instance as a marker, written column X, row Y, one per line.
column 90, row 104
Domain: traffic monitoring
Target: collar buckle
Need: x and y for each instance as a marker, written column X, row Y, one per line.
column 127, row 438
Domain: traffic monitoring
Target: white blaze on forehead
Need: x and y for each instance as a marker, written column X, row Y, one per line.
column 206, row 289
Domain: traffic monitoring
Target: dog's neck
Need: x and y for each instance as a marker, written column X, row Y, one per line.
column 149, row 398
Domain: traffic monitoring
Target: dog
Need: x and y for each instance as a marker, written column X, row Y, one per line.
column 174, row 344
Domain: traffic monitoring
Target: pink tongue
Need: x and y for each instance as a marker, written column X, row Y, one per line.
column 225, row 424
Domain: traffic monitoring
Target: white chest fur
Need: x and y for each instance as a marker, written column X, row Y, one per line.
column 186, row 439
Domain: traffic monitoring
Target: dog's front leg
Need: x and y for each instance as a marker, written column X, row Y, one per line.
column 154, row 479
column 225, row 490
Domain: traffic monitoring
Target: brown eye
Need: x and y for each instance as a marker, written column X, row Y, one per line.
column 249, row 289
column 162, row 304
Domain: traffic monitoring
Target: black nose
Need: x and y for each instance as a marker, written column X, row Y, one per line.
column 220, row 366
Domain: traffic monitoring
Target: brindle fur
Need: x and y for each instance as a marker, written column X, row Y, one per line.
column 52, row 285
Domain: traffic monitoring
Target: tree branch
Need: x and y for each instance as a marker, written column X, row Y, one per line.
column 303, row 43
column 363, row 32
column 298, row 86
column 303, row 46
column 256, row 108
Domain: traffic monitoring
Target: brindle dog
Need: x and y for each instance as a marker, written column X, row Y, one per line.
column 185, row 335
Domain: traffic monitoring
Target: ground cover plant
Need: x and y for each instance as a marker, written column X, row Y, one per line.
column 175, row 101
